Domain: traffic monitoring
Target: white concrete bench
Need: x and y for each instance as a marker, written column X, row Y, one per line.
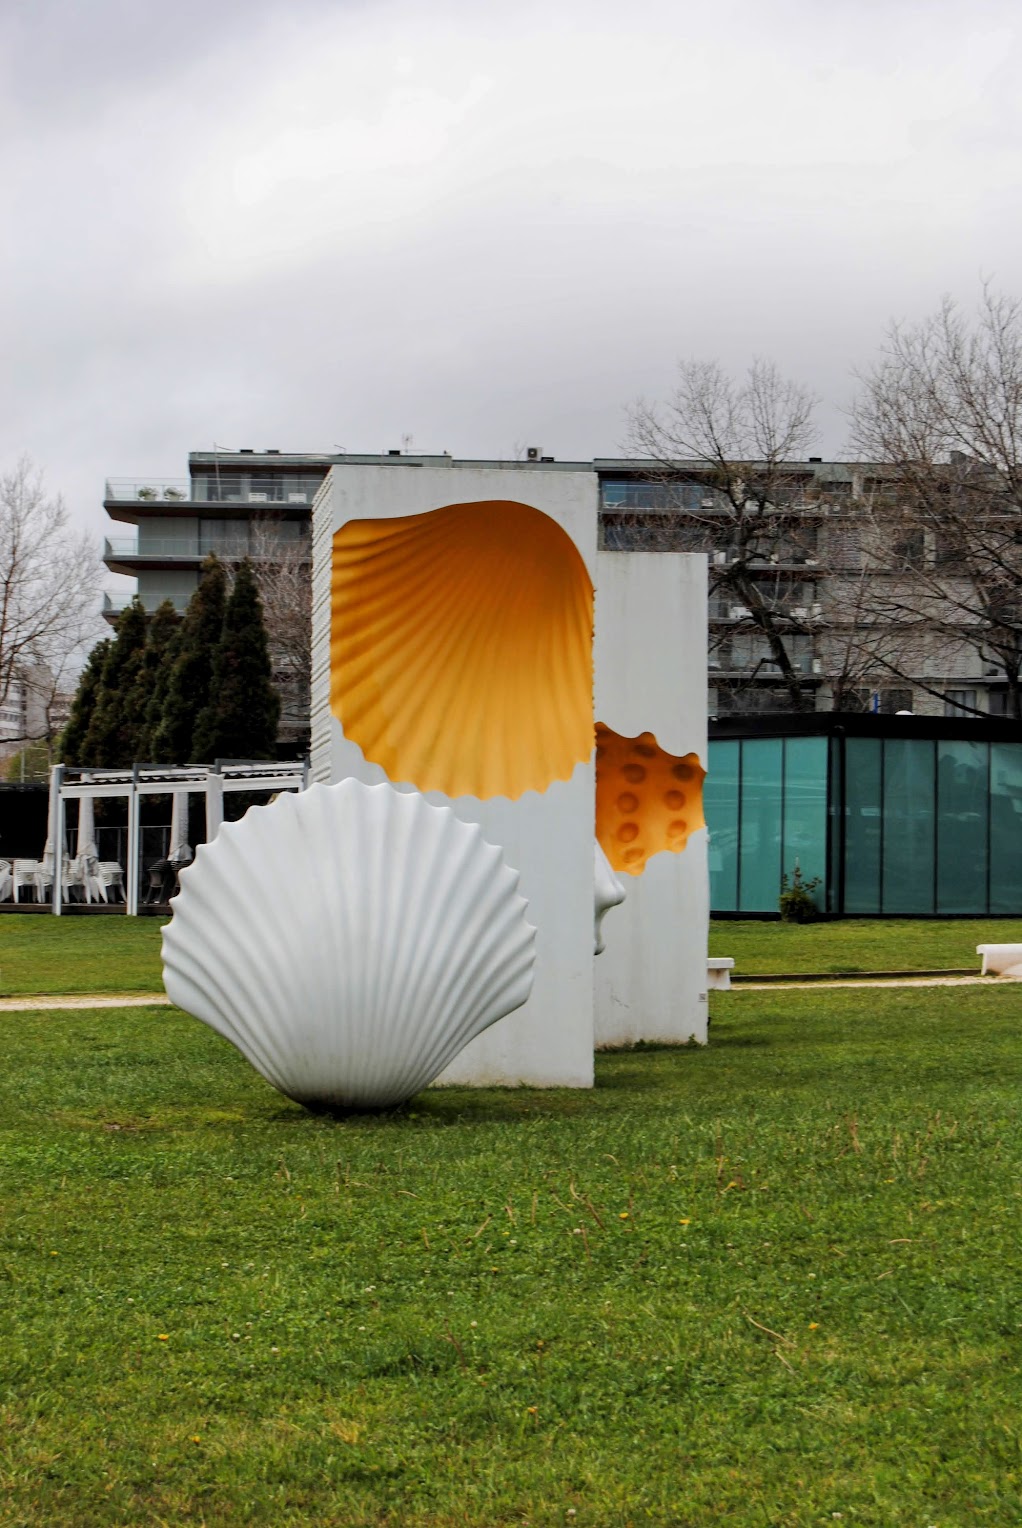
column 718, row 973
column 1001, row 959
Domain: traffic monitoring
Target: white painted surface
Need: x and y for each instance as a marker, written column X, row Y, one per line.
column 1000, row 959
column 651, row 677
column 718, row 973
column 548, row 837
column 349, row 941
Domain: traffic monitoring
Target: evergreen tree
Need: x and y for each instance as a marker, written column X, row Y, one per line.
column 112, row 739
column 188, row 685
column 240, row 719
column 154, row 675
column 72, row 740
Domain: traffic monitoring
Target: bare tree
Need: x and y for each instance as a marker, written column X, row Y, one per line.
column 49, row 578
column 723, row 476
column 941, row 414
column 282, row 566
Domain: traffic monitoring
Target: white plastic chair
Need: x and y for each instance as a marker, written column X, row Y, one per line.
column 25, row 873
column 75, row 877
column 109, row 877
column 44, row 878
column 95, row 891
column 6, row 880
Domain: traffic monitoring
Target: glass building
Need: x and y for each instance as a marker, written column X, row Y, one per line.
column 896, row 815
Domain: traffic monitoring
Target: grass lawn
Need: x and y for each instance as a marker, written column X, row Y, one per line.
column 79, row 954
column 767, row 1283
column 859, row 944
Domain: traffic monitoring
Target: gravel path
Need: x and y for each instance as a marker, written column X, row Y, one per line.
column 94, row 1000
column 879, row 981
column 38, row 1003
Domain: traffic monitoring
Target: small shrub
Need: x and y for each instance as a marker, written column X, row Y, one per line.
column 796, row 901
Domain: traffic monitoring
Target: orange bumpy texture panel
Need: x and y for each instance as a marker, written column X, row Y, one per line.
column 646, row 800
column 461, row 648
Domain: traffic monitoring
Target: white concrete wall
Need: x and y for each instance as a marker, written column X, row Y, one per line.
column 651, row 677
column 321, row 748
column 547, row 837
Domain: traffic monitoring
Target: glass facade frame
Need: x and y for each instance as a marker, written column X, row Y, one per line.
column 902, row 822
column 766, row 805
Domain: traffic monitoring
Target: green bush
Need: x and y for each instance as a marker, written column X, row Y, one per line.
column 796, row 901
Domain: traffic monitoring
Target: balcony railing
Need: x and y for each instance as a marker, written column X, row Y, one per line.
column 148, row 490
column 193, row 549
column 113, row 604
column 274, row 491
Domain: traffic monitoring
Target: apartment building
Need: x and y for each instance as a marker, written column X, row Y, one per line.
column 33, row 710
column 806, row 567
column 236, row 504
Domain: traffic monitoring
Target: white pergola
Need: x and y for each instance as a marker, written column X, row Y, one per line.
column 212, row 781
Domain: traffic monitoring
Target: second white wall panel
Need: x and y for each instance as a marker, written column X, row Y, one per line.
column 651, row 677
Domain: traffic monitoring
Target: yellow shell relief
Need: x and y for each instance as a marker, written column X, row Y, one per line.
column 461, row 648
column 646, row 799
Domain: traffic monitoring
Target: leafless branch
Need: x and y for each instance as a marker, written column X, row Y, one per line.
column 282, row 565
column 49, row 580
column 942, row 413
column 723, row 475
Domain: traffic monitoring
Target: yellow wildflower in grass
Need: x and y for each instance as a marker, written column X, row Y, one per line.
column 162, row 1337
column 813, row 1325
column 623, row 1215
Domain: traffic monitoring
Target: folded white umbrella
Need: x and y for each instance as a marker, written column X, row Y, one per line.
column 51, row 829
column 86, row 841
column 180, row 849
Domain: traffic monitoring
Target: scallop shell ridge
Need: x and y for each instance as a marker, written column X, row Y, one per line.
column 476, row 681
column 350, row 941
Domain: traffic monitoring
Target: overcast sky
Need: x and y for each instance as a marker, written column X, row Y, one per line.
column 313, row 224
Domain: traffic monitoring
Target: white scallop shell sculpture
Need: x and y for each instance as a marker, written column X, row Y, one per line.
column 349, row 941
column 608, row 892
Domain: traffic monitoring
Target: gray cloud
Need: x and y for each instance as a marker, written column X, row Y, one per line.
column 299, row 222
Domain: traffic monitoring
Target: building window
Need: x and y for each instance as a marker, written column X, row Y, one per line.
column 960, row 703
column 623, row 493
column 751, row 650
column 909, row 550
column 887, row 702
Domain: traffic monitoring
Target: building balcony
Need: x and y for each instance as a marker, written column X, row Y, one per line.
column 730, row 613
column 768, row 674
column 136, row 499
column 114, row 604
column 126, row 554
column 149, row 490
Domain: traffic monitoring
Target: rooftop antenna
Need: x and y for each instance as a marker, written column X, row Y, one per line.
column 406, row 444
column 216, row 470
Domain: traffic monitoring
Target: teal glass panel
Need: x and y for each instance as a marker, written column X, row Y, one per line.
column 962, row 827
column 720, row 805
column 759, row 855
column 804, row 830
column 835, row 823
column 1006, row 828
column 909, row 826
column 863, row 825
